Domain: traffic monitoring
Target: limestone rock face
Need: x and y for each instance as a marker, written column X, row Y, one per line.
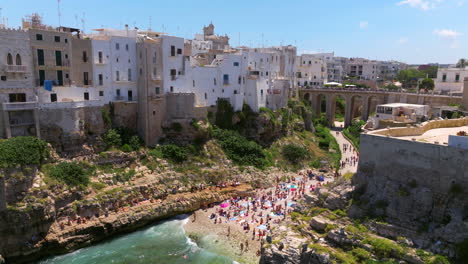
column 422, row 189
column 319, row 223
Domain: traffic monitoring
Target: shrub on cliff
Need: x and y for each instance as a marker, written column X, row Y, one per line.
column 112, row 138
column 20, row 151
column 71, row 173
column 171, row 152
column 294, row 153
column 239, row 149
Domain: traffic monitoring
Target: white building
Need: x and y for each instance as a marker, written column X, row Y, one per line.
column 115, row 69
column 311, row 71
column 450, row 80
column 400, row 113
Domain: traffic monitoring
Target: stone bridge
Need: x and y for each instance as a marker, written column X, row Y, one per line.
column 367, row 100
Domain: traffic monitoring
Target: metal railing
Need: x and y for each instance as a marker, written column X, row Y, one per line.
column 19, row 106
column 16, row 68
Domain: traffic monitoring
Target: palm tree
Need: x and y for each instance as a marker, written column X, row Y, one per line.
column 462, row 63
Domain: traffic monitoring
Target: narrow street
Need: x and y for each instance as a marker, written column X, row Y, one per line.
column 345, row 155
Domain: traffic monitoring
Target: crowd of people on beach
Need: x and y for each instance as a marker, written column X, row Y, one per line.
column 258, row 213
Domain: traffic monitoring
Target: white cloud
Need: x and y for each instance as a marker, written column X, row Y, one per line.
column 447, row 33
column 421, row 4
column 402, row 40
column 363, row 24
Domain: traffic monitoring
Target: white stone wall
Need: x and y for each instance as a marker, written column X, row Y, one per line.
column 16, row 42
column 450, row 84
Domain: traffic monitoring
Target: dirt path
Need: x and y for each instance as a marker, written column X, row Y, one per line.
column 345, row 155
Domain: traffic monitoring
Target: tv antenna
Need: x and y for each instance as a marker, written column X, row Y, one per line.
column 58, row 11
column 83, row 23
column 150, row 24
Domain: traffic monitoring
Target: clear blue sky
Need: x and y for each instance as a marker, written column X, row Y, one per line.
column 413, row 31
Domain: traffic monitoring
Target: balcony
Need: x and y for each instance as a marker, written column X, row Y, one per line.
column 16, row 68
column 19, row 106
column 119, row 98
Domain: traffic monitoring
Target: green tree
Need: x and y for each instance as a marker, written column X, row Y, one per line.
column 20, row 151
column 427, row 84
column 409, row 78
column 72, row 173
column 391, row 87
column 431, row 71
column 294, row 153
column 112, row 138
column 462, row 63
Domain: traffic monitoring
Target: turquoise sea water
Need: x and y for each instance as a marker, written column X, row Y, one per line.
column 163, row 243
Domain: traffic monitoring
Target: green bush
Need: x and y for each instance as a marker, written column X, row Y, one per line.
column 171, row 152
column 71, row 173
column 126, row 148
column 177, row 127
column 361, row 254
column 239, row 149
column 20, row 151
column 224, row 114
column 294, row 153
column 327, row 142
column 353, row 132
column 135, row 142
column 462, row 251
column 106, row 116
column 112, row 138
column 384, row 248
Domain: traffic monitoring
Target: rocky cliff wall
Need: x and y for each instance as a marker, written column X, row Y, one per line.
column 422, row 187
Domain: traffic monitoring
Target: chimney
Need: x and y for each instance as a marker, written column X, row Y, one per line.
column 465, row 94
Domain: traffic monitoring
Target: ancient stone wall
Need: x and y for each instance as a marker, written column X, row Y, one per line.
column 419, row 130
column 125, row 114
column 417, row 185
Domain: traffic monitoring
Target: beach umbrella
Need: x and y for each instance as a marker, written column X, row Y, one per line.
column 224, row 205
column 262, row 227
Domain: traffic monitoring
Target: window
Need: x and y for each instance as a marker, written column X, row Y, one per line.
column 18, row 59
column 101, row 79
column 243, row 79
column 41, row 77
column 226, row 79
column 101, row 93
column 40, row 57
column 3, row 78
column 239, row 80
column 236, row 64
column 157, row 90
column 154, row 72
column 117, row 92
column 172, row 89
column 17, row 97
column 85, row 56
column 117, row 46
column 173, row 74
column 130, row 95
column 100, row 57
column 66, row 40
column 457, row 77
column 206, row 96
column 444, row 77
column 311, row 62
column 85, row 78
column 60, row 78
column 53, row 97
column 38, row 36
column 235, row 91
column 172, row 50
column 9, row 59
column 117, row 76
column 126, row 48
column 193, row 83
column 214, row 81
column 57, row 38
column 179, row 51
column 129, row 75
column 86, row 96
column 266, row 73
column 154, row 58
column 261, row 92
column 58, row 58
